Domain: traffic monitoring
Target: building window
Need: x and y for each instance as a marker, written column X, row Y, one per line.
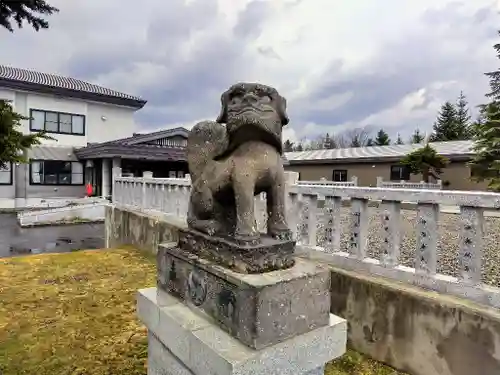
column 339, row 175
column 57, row 122
column 6, row 174
column 400, row 172
column 56, row 172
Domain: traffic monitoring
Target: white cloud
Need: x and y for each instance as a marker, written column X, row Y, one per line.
column 340, row 64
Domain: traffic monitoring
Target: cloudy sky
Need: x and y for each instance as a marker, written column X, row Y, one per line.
column 341, row 64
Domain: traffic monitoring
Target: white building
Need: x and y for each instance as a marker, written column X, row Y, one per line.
column 75, row 113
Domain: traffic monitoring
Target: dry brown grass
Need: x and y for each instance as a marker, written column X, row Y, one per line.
column 74, row 313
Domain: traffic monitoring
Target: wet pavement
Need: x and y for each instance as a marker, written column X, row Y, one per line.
column 15, row 240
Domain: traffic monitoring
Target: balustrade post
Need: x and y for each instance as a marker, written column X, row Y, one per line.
column 145, row 175
column 359, row 228
column 354, row 180
column 162, row 198
column 116, row 172
column 331, row 223
column 471, row 244
column 380, row 181
column 312, row 219
column 427, row 232
column 260, row 209
column 293, row 212
column 291, row 178
column 291, row 201
column 391, row 222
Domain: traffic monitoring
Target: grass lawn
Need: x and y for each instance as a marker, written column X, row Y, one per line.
column 74, row 313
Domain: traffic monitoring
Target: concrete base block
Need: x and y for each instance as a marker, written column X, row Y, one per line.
column 183, row 341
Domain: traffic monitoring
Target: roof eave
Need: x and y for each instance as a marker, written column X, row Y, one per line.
column 164, row 133
column 45, row 89
column 383, row 159
column 128, row 152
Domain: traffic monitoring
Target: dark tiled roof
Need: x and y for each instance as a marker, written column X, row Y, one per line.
column 140, row 151
column 30, row 80
column 136, row 147
column 139, row 138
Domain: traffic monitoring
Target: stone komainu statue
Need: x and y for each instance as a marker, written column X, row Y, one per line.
column 230, row 164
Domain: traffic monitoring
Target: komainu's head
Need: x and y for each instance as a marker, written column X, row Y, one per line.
column 253, row 111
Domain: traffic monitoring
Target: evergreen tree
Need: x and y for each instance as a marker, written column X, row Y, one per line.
column 417, row 137
column 463, row 117
column 329, row 142
column 494, row 77
column 19, row 11
column 287, row 146
column 12, row 141
column 399, row 141
column 453, row 122
column 485, row 165
column 370, row 142
column 425, row 161
column 382, row 138
column 355, row 141
column 445, row 127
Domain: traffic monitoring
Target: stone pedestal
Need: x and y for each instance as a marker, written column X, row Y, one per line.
column 267, row 254
column 184, row 341
column 258, row 309
column 207, row 319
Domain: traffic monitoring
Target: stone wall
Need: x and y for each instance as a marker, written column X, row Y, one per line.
column 414, row 330
column 143, row 231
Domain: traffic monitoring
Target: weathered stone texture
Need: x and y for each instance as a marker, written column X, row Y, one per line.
column 229, row 164
column 269, row 254
column 201, row 346
column 417, row 331
column 259, row 310
column 141, row 230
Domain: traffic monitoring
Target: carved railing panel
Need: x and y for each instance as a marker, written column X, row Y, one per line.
column 315, row 215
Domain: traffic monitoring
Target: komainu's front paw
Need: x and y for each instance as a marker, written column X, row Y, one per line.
column 247, row 236
column 209, row 227
column 280, row 231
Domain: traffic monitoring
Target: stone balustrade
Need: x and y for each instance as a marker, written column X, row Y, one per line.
column 409, row 185
column 314, row 212
column 325, row 182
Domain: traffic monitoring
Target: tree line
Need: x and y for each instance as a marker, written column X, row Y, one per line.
column 453, row 123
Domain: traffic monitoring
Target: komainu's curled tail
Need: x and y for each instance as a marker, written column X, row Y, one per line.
column 206, row 141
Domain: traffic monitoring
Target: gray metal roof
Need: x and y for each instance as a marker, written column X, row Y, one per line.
column 452, row 148
column 52, row 153
column 24, row 79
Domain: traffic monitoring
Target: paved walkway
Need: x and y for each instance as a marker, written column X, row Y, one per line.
column 15, row 240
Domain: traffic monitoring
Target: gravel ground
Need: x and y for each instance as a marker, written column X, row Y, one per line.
column 448, row 242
